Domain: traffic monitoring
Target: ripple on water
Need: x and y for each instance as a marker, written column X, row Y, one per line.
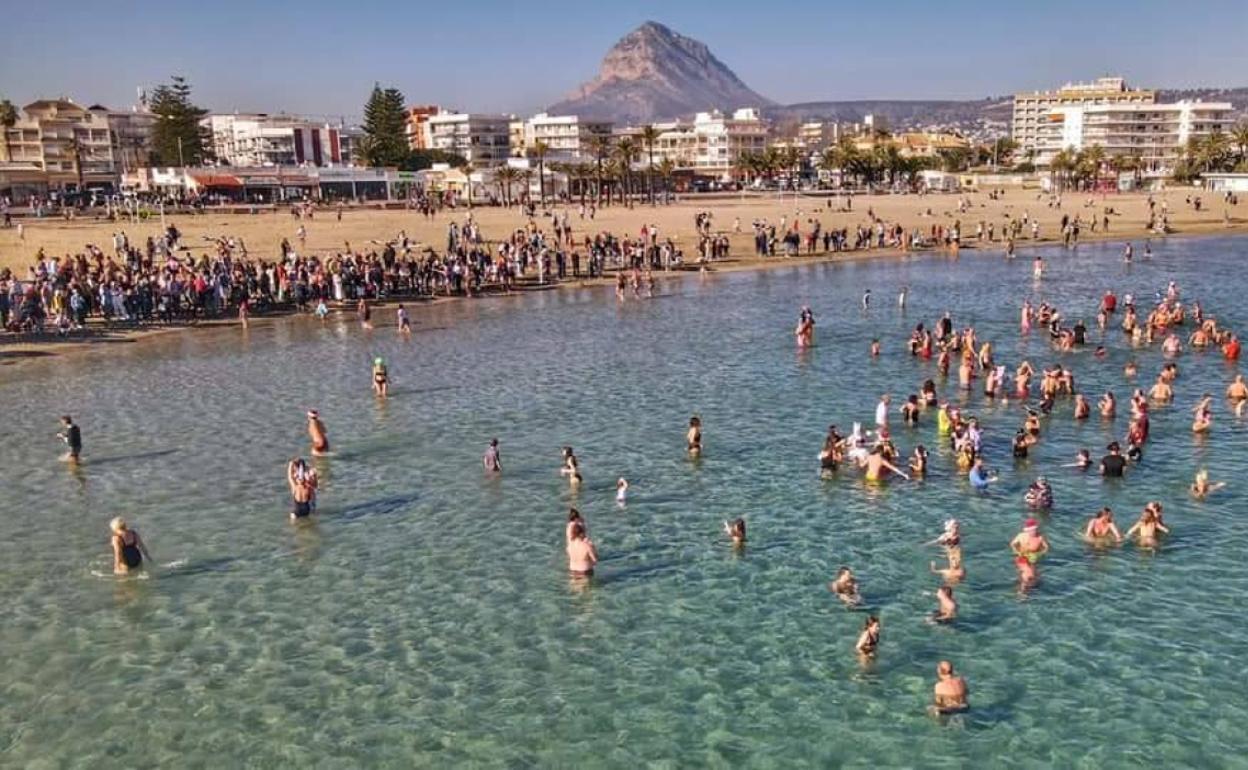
column 424, row 616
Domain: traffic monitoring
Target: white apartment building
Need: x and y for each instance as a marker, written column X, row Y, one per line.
column 1155, row 133
column 1031, row 110
column 247, row 141
column 61, row 139
column 713, row 143
column 567, row 137
column 482, row 140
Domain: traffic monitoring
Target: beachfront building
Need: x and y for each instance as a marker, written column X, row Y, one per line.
column 417, row 128
column 928, row 144
column 131, row 134
column 56, row 144
column 713, row 143
column 482, row 140
column 568, row 138
column 258, row 139
column 817, row 136
column 1031, row 110
column 1155, row 134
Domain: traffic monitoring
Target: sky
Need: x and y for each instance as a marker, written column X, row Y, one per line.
column 320, row 58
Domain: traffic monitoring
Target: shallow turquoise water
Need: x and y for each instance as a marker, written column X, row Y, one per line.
column 426, row 619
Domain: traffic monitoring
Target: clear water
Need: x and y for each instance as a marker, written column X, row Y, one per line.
column 426, row 619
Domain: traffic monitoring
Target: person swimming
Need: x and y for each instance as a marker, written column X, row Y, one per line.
column 1201, row 486
column 735, row 530
column 1101, row 527
column 129, row 549
column 845, row 586
column 1083, row 460
column 381, row 377
column 316, row 433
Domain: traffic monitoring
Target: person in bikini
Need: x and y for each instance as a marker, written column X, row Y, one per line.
column 381, row 378
column 582, row 554
column 1101, row 528
column 693, row 437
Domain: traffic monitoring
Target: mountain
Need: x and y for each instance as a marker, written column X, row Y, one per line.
column 655, row 74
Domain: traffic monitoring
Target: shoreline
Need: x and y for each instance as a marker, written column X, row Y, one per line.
column 15, row 350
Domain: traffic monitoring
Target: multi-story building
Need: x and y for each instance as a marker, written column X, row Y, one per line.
column 1031, row 110
column 275, row 140
column 712, row 145
column 482, row 140
column 64, row 141
column 820, row 135
column 418, row 125
column 567, row 138
column 131, row 135
column 1154, row 133
column 515, row 137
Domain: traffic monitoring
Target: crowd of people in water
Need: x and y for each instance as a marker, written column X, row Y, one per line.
column 960, row 355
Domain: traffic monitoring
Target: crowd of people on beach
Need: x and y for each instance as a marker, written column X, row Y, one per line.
column 165, row 279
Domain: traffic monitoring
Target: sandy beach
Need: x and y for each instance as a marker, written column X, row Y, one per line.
column 366, row 229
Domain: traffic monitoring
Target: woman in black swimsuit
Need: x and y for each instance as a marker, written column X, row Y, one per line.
column 128, row 548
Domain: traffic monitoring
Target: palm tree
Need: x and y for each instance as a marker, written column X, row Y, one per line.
column 650, row 135
column 791, row 160
column 666, row 168
column 74, row 147
column 505, row 177
column 626, row 153
column 600, row 146
column 1239, row 135
column 539, row 150
column 468, row 169
column 8, row 119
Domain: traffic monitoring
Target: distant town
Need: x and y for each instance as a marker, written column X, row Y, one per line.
column 1105, row 134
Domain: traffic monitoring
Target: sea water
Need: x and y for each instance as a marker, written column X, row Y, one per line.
column 425, row 617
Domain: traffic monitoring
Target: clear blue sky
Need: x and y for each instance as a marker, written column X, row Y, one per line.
column 321, row 57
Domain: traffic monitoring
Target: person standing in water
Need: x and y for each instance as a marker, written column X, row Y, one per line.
column 869, row 639
column 302, row 481
column 1101, row 528
column 129, row 550
column 805, row 331
column 364, row 313
column 316, row 432
column 492, row 459
column 381, row 378
column 72, row 437
column 693, row 437
column 866, row 300
column 1028, row 547
column 582, row 554
column 405, row 323
column 949, row 696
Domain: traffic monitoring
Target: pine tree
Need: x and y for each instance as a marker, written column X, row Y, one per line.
column 385, row 121
column 177, row 137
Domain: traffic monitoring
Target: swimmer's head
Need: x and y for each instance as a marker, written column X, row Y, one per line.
column 118, row 524
column 378, row 361
column 944, row 668
column 574, row 515
column 1031, row 526
column 313, row 414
